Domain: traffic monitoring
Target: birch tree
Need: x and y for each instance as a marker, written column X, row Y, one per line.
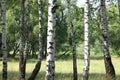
column 50, row 64
column 38, row 65
column 4, row 47
column 86, row 40
column 21, row 49
column 73, row 41
column 110, row 72
column 25, row 55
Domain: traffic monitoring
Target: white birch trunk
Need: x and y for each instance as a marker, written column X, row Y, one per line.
column 110, row 72
column 4, row 47
column 86, row 40
column 50, row 65
column 73, row 41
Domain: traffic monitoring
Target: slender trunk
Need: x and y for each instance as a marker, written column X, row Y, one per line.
column 38, row 65
column 86, row 41
column 50, row 65
column 21, row 59
column 4, row 47
column 110, row 72
column 119, row 9
column 73, row 42
column 25, row 55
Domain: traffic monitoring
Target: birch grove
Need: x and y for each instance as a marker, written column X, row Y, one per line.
column 49, row 39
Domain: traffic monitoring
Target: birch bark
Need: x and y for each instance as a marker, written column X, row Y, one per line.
column 4, row 47
column 21, row 49
column 50, row 65
column 110, row 72
column 86, row 40
column 73, row 41
column 38, row 65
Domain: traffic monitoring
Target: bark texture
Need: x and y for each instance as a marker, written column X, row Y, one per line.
column 86, row 40
column 75, row 77
column 26, row 50
column 50, row 65
column 110, row 72
column 38, row 65
column 4, row 47
column 21, row 49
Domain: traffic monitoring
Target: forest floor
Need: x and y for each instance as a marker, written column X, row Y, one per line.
column 63, row 68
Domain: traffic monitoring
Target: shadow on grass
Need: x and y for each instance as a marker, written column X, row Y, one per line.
column 58, row 76
column 79, row 57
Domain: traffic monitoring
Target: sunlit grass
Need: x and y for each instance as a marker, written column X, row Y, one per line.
column 64, row 69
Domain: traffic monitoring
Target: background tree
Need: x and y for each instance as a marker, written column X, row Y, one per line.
column 110, row 72
column 38, row 65
column 73, row 42
column 4, row 46
column 86, row 40
column 119, row 9
column 21, row 50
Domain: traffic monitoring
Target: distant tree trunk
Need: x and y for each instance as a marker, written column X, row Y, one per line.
column 26, row 50
column 86, row 40
column 119, row 10
column 38, row 65
column 73, row 42
column 21, row 60
column 110, row 72
column 4, row 47
column 50, row 65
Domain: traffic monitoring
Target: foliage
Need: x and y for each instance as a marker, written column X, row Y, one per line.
column 63, row 39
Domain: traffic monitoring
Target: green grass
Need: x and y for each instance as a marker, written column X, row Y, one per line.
column 64, row 69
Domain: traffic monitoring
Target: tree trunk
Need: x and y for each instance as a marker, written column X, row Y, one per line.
column 26, row 50
column 38, row 65
column 73, row 42
column 21, row 60
column 86, row 40
column 119, row 9
column 4, row 47
column 50, row 65
column 110, row 72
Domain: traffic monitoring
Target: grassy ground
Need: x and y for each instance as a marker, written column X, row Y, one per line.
column 64, row 69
